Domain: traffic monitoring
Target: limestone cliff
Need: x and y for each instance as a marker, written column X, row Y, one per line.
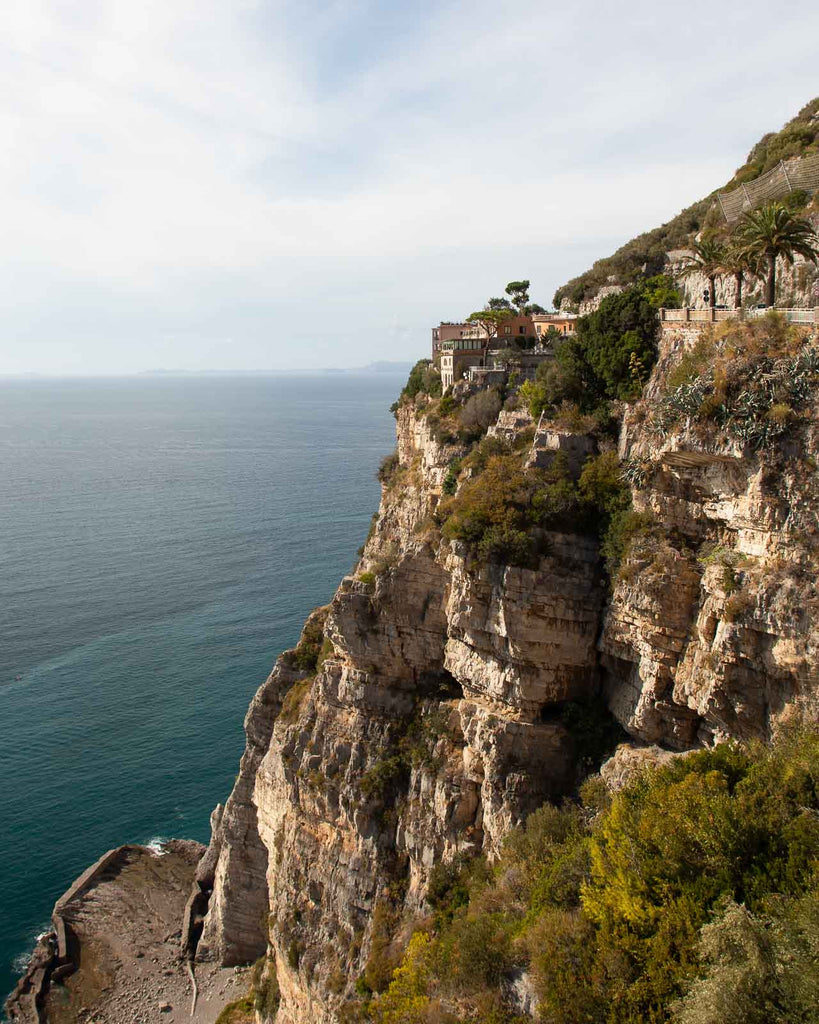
column 419, row 718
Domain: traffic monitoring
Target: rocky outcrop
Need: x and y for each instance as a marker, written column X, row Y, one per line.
column 711, row 629
column 432, row 724
column 431, row 728
column 422, row 715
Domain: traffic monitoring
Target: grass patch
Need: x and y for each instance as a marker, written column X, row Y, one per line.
column 242, row 1011
column 294, row 699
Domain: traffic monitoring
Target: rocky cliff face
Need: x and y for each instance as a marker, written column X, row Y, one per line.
column 429, row 722
column 700, row 649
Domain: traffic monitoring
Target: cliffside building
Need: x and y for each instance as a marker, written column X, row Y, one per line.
column 470, row 337
column 457, row 357
column 564, row 323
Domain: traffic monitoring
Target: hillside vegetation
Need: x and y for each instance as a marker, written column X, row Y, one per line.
column 689, row 896
column 644, row 256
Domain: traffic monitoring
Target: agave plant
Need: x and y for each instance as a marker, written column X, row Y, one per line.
column 773, row 231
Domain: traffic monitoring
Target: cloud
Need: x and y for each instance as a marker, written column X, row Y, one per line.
column 264, row 183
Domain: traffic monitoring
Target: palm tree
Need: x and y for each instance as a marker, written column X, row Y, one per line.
column 739, row 263
column 706, row 259
column 773, row 231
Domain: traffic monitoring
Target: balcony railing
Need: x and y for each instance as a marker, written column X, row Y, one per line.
column 715, row 314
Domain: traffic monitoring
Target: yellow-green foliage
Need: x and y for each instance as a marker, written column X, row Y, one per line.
column 608, row 906
column 406, row 1001
column 504, row 510
column 240, row 1011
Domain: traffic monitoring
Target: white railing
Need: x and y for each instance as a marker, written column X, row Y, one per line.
column 712, row 315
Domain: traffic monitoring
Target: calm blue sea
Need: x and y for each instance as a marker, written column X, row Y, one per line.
column 161, row 540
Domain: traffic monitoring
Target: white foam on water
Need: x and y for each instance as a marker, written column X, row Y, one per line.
column 20, row 962
column 157, row 846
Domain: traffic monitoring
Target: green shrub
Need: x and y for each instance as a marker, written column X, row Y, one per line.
column 382, row 960
column 447, row 890
column 608, row 344
column 423, row 379
column 382, row 776
column 759, row 968
column 480, row 411
column 501, row 514
column 388, row 469
column 240, row 1011
column 447, row 405
column 305, row 655
column 450, row 484
column 624, row 527
column 265, row 987
column 368, row 578
column 294, row 699
column 617, row 915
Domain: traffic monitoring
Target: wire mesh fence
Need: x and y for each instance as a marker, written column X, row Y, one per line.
column 774, row 184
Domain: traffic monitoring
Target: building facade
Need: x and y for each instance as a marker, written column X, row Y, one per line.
column 470, row 336
column 564, row 323
column 456, row 361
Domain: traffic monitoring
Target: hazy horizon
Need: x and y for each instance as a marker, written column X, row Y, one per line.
column 257, row 187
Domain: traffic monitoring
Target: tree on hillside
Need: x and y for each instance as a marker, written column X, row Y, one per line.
column 773, row 231
column 740, row 264
column 518, row 291
column 613, row 349
column 706, row 258
column 499, row 304
column 490, row 320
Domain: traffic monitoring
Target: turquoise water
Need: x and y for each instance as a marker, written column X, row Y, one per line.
column 161, row 540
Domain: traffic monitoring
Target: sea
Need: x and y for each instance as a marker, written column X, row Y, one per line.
column 162, row 539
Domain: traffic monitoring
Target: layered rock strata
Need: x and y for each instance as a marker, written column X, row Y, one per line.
column 432, row 724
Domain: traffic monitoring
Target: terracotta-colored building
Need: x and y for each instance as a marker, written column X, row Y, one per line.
column 516, row 327
column 562, row 322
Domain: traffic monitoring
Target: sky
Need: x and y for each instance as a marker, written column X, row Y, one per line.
column 267, row 184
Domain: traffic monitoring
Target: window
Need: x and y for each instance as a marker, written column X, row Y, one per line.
column 521, row 330
column 507, row 329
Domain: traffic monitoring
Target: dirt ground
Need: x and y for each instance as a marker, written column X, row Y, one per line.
column 127, row 926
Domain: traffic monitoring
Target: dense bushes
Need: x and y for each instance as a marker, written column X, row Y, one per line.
column 388, row 470
column 480, row 411
column 614, row 348
column 503, row 511
column 703, row 869
column 423, row 378
column 609, row 357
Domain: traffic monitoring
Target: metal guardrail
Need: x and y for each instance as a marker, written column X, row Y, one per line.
column 713, row 315
column 774, row 184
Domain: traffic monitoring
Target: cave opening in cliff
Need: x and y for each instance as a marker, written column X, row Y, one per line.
column 440, row 685
column 554, row 711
